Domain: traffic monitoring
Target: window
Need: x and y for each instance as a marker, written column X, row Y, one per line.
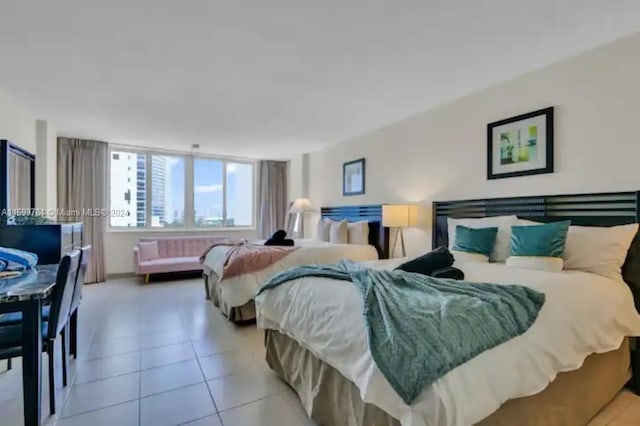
column 127, row 197
column 151, row 190
column 208, row 192
column 239, row 200
column 167, row 191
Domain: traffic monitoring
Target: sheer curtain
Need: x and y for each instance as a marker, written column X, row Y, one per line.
column 272, row 196
column 82, row 184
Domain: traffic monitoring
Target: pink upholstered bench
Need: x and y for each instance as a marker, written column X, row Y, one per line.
column 169, row 254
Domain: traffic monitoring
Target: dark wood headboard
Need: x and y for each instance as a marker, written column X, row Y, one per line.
column 372, row 213
column 600, row 209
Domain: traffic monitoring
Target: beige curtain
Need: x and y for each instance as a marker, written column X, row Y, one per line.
column 272, row 196
column 19, row 182
column 82, row 184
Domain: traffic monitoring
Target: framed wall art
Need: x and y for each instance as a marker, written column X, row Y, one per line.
column 521, row 145
column 353, row 177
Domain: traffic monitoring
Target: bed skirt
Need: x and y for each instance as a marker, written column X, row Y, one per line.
column 573, row 398
column 237, row 314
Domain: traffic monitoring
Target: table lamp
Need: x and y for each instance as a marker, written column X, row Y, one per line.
column 299, row 208
column 397, row 216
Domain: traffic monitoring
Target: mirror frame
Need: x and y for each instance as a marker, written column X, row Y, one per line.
column 7, row 148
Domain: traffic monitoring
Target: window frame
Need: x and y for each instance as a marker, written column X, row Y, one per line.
column 189, row 193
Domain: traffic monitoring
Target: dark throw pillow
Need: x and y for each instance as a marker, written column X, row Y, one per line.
column 279, row 235
column 429, row 262
column 286, row 242
column 450, row 272
column 279, row 238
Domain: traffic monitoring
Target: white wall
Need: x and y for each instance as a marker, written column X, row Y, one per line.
column 441, row 153
column 17, row 125
column 46, row 166
column 20, row 127
column 294, row 170
column 299, row 177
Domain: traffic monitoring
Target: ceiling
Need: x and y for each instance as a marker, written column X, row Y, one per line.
column 270, row 79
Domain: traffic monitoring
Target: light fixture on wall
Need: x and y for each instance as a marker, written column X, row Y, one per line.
column 398, row 216
column 299, row 208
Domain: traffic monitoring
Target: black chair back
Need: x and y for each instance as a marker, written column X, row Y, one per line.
column 63, row 293
column 85, row 257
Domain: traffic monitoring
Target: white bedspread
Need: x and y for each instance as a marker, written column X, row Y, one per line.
column 237, row 291
column 583, row 314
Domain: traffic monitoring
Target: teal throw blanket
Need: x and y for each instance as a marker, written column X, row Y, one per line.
column 420, row 327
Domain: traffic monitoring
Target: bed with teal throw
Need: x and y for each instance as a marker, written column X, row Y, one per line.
column 420, row 327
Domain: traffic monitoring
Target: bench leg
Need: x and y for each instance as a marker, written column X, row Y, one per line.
column 146, row 279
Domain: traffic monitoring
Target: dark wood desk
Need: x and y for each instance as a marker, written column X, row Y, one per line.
column 25, row 294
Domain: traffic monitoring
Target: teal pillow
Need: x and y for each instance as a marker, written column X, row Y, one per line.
column 475, row 240
column 540, row 240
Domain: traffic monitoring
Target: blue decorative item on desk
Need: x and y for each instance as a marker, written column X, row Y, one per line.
column 16, row 260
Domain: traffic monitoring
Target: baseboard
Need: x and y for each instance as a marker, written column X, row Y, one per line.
column 121, row 275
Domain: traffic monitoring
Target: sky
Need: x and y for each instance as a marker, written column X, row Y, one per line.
column 207, row 179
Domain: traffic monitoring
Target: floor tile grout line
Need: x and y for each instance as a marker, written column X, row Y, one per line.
column 299, row 415
column 66, row 394
column 96, row 409
column 171, row 390
column 245, row 403
column 109, row 356
column 187, row 423
column 215, row 354
column 139, row 370
column 141, row 349
column 205, row 379
column 131, row 352
column 252, row 402
column 215, row 405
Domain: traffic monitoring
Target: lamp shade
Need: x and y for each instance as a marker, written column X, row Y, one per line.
column 301, row 205
column 399, row 215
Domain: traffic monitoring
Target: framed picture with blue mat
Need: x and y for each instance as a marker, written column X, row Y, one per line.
column 521, row 145
column 353, row 177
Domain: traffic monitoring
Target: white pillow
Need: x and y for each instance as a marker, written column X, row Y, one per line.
column 502, row 248
column 339, row 233
column 551, row 264
column 600, row 250
column 323, row 230
column 358, row 232
column 469, row 257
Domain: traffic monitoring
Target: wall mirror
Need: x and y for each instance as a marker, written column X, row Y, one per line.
column 17, row 177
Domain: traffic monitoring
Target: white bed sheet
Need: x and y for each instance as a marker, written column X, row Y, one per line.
column 239, row 290
column 583, row 314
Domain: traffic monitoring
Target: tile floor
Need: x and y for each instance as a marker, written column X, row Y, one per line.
column 161, row 354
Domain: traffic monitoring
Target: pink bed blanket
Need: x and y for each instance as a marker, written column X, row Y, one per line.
column 247, row 258
column 222, row 241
